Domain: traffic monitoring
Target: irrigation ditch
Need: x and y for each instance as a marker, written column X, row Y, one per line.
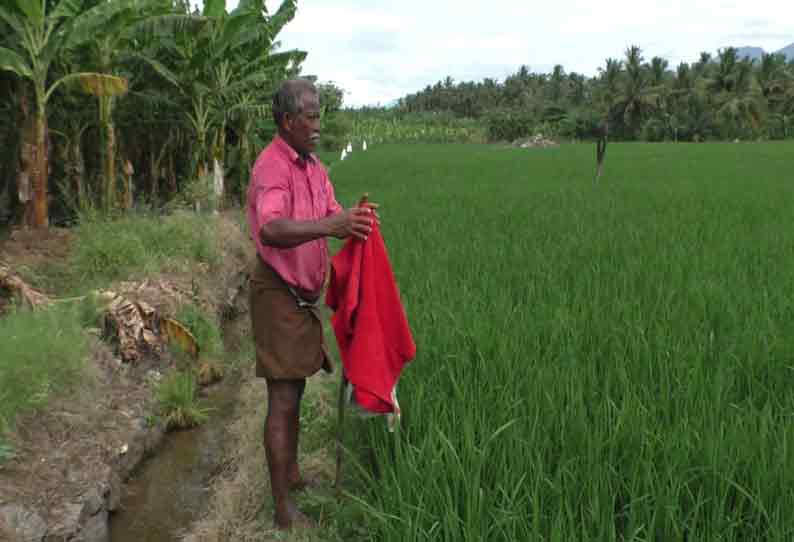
column 98, row 463
column 169, row 491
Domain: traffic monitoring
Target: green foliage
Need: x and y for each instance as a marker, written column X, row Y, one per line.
column 198, row 193
column 198, row 86
column 724, row 96
column 384, row 126
column 653, row 130
column 331, row 97
column 177, row 402
column 41, row 353
column 6, row 451
column 603, row 362
column 337, row 131
column 90, row 311
column 509, row 125
column 107, row 250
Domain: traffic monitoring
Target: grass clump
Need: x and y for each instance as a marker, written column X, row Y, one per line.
column 41, row 353
column 178, row 403
column 204, row 328
column 107, row 250
column 6, row 451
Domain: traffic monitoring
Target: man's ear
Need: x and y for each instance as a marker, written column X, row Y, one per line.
column 287, row 122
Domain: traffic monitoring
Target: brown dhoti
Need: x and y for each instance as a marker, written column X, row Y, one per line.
column 288, row 336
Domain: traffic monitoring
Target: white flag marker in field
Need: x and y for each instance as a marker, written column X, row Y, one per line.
column 349, row 147
column 364, row 145
column 344, row 154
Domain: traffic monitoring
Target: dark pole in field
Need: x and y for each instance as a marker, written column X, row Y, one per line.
column 340, row 432
column 601, row 148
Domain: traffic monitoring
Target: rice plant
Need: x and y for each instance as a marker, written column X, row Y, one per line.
column 604, row 362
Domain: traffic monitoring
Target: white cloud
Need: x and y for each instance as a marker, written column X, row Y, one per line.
column 379, row 50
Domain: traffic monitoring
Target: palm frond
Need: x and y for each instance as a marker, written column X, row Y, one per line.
column 156, row 65
column 14, row 62
column 169, row 25
column 12, row 20
column 257, row 6
column 284, row 14
column 66, row 9
column 96, row 21
column 214, row 8
column 33, row 10
column 153, row 99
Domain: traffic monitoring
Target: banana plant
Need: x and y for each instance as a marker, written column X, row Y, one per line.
column 43, row 30
column 116, row 47
column 225, row 65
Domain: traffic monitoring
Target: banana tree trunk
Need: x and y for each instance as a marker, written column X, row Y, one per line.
column 245, row 160
column 78, row 172
column 110, row 165
column 40, row 217
column 154, row 177
column 27, row 162
column 172, row 184
column 217, row 182
column 108, row 136
column 218, row 170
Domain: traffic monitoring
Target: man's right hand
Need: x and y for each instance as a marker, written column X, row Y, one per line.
column 356, row 222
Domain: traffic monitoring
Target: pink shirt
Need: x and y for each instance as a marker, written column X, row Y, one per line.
column 283, row 185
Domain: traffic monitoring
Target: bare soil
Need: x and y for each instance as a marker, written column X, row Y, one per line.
column 71, row 459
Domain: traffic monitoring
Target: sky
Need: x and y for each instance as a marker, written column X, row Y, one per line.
column 380, row 50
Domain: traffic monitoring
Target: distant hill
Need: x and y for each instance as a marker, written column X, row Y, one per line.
column 788, row 51
column 755, row 53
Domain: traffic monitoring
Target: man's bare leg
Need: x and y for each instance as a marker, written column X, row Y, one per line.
column 281, row 440
column 293, row 472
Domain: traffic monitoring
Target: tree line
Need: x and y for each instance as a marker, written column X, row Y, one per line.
column 108, row 101
column 717, row 97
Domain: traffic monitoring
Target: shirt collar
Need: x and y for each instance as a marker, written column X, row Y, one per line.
column 290, row 153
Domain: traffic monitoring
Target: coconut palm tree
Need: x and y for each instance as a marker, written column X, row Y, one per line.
column 738, row 100
column 637, row 96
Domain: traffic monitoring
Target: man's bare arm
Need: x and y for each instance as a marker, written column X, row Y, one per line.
column 287, row 233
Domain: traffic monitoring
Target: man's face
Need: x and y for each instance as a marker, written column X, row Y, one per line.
column 303, row 129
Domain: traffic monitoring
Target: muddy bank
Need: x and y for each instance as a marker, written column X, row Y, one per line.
column 72, row 459
column 171, row 489
column 239, row 505
column 167, row 492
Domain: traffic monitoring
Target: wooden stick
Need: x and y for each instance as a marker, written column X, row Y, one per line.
column 601, row 149
column 340, row 432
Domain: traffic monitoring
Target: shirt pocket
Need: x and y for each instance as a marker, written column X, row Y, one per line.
column 320, row 193
column 301, row 198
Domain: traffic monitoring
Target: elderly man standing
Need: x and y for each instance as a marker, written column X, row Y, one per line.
column 291, row 210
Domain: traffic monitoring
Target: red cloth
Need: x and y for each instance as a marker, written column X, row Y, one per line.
column 369, row 321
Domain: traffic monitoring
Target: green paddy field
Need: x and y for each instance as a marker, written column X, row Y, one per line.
column 596, row 362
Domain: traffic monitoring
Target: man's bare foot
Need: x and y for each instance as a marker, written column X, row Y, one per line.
column 289, row 517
